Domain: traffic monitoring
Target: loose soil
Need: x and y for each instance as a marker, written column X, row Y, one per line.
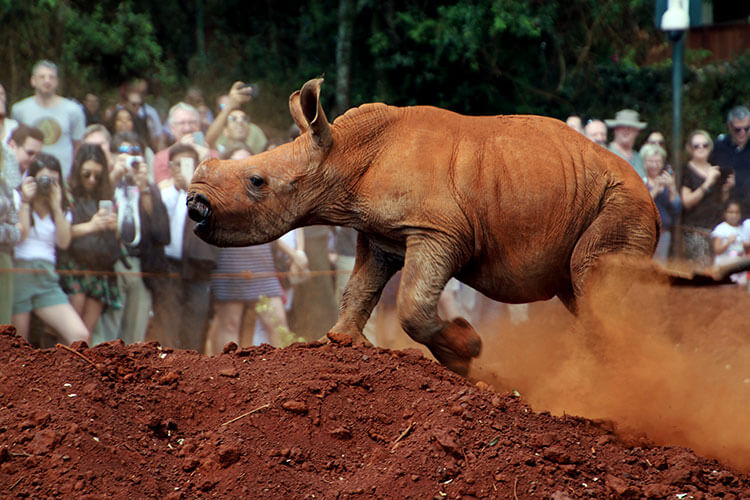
column 332, row 420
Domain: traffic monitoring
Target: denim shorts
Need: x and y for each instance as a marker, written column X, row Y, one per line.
column 36, row 286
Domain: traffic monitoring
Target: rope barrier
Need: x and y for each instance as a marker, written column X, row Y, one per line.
column 247, row 275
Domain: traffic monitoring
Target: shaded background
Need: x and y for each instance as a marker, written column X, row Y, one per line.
column 477, row 57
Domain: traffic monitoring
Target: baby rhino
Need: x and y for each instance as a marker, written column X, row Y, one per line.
column 518, row 207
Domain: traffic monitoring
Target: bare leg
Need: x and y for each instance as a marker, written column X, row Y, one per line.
column 78, row 301
column 247, row 331
column 92, row 310
column 21, row 322
column 273, row 319
column 228, row 317
column 66, row 321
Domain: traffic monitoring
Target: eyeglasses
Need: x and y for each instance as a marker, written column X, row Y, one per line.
column 185, row 122
column 700, row 145
column 737, row 130
column 659, row 142
column 238, row 118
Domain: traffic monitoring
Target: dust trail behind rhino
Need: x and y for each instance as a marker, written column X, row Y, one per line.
column 672, row 364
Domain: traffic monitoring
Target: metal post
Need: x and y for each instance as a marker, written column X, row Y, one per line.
column 678, row 55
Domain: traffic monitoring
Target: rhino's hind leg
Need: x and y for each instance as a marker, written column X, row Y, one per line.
column 620, row 231
column 453, row 343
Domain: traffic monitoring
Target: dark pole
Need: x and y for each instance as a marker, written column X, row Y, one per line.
column 678, row 55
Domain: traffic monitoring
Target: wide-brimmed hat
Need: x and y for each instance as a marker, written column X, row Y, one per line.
column 626, row 118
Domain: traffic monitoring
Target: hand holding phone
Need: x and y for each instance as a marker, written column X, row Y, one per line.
column 105, row 205
column 187, row 166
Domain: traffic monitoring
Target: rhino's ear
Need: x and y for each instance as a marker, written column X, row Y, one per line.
column 296, row 110
column 312, row 111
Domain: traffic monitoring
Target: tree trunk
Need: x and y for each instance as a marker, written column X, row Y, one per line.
column 344, row 55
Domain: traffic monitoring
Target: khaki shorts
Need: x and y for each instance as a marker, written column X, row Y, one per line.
column 37, row 289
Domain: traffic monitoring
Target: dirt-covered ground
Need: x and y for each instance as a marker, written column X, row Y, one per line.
column 567, row 414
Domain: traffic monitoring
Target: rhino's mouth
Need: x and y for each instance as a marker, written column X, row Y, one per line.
column 199, row 209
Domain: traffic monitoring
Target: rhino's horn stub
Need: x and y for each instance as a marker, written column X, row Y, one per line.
column 313, row 113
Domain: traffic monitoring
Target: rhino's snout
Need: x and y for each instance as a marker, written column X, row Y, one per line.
column 199, row 208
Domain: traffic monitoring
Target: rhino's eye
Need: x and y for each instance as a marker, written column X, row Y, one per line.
column 257, row 181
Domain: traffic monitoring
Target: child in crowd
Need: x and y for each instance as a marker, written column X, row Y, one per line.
column 731, row 239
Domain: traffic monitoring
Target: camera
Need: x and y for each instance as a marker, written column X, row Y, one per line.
column 44, row 185
column 133, row 161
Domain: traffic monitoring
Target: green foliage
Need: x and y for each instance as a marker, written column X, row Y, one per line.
column 713, row 90
column 474, row 56
column 110, row 45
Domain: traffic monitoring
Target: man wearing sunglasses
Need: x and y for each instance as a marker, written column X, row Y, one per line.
column 732, row 152
column 232, row 125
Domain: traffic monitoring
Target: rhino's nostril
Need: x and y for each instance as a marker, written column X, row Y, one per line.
column 199, row 209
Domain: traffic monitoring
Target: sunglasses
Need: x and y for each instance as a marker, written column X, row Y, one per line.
column 130, row 150
column 238, row 118
column 737, row 130
column 90, row 174
column 700, row 145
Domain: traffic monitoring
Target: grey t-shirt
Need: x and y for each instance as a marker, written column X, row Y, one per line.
column 61, row 125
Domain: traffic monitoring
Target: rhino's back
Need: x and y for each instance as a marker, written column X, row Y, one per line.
column 527, row 187
column 516, row 191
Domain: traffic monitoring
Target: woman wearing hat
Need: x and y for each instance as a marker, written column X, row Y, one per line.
column 627, row 126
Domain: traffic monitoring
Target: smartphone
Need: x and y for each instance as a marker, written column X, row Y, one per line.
column 187, row 166
column 254, row 90
column 106, row 205
column 199, row 138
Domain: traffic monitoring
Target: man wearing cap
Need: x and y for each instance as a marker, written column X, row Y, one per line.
column 627, row 126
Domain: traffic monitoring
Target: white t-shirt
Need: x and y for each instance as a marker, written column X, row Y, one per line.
column 736, row 250
column 40, row 243
column 176, row 202
column 726, row 231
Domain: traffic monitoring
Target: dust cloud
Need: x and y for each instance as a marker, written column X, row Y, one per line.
column 668, row 364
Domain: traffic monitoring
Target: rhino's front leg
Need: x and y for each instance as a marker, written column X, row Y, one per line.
column 427, row 269
column 372, row 269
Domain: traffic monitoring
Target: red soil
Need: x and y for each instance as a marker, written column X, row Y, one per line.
column 340, row 421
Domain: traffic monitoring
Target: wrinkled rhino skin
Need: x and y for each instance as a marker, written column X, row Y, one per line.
column 518, row 207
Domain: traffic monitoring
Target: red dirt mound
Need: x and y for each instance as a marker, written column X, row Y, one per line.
column 308, row 421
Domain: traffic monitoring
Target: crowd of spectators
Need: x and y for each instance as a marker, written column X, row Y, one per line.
column 715, row 178
column 96, row 245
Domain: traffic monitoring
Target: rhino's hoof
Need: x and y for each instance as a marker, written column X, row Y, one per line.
column 451, row 360
column 340, row 338
column 346, row 339
column 456, row 345
column 460, row 337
